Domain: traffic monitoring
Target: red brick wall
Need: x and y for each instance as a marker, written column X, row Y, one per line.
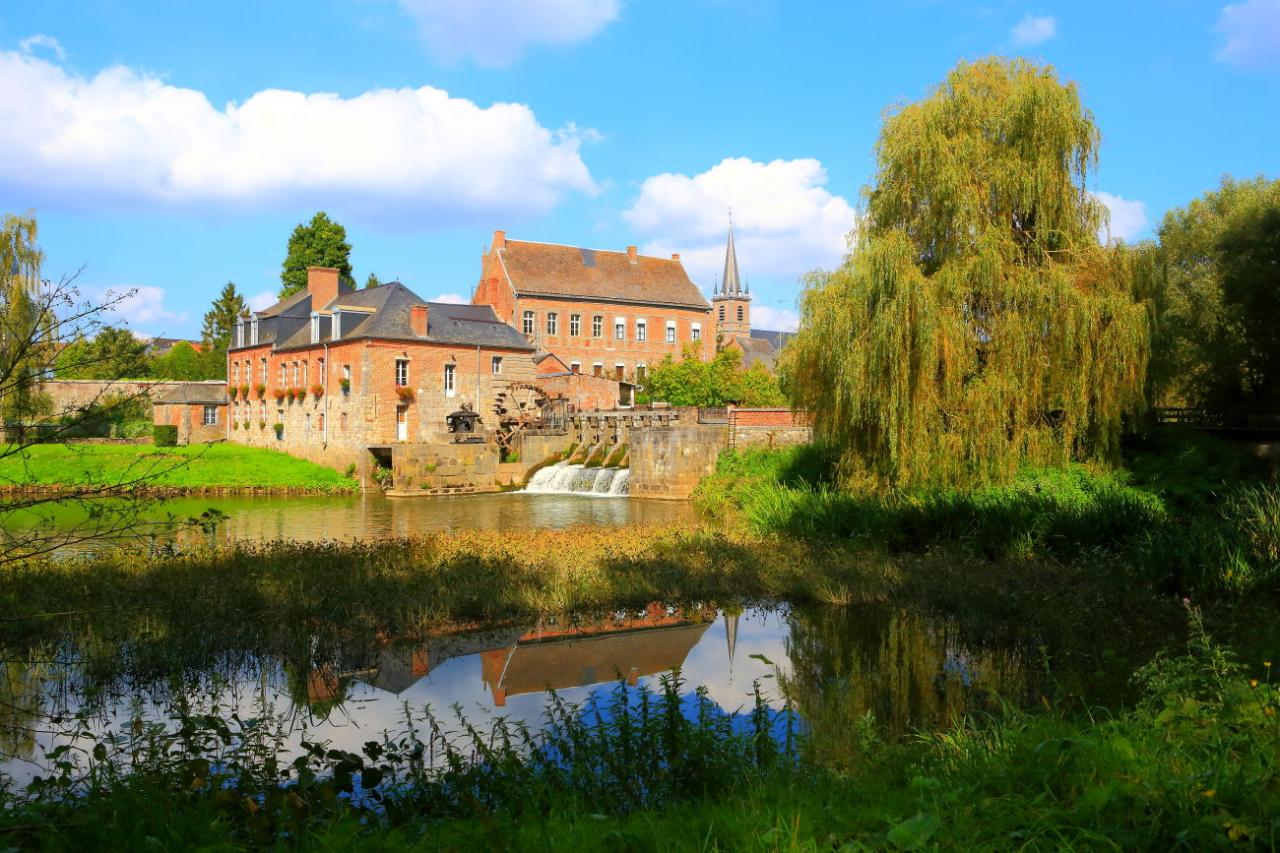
column 768, row 417
column 494, row 290
column 586, row 349
column 584, row 392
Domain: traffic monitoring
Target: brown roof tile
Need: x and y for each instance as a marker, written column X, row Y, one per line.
column 547, row 269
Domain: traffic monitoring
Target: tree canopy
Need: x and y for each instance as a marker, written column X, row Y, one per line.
column 113, row 353
column 319, row 243
column 1219, row 339
column 23, row 320
column 220, row 319
column 694, row 382
column 977, row 322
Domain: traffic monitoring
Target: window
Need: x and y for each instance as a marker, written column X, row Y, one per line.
column 553, row 323
column 320, row 422
column 253, row 330
column 402, row 372
column 642, row 370
column 597, row 369
column 337, row 324
column 262, row 371
column 295, row 374
column 575, row 324
column 304, row 374
column 449, row 370
column 342, row 422
column 696, row 332
column 671, row 331
column 346, row 374
column 642, row 330
column 284, row 374
column 575, row 367
column 320, row 370
column 315, row 328
column 306, row 424
column 597, row 326
column 262, row 411
column 721, row 313
column 528, row 322
column 210, row 415
column 235, row 373
column 739, row 313
column 617, row 371
column 620, row 329
column 497, row 364
column 240, row 333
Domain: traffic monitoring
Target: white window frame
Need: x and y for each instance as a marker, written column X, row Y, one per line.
column 495, row 365
column 575, row 367
column 450, row 379
column 253, row 330
column 529, row 322
column 262, row 370
column 402, row 373
column 619, row 328
column 597, row 326
column 553, row 323
column 695, row 332
column 315, row 327
column 671, row 331
column 575, row 325
column 642, row 330
column 210, row 416
column 240, row 333
column 235, row 373
column 336, row 331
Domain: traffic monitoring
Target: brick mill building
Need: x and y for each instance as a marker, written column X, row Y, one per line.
column 329, row 372
column 602, row 313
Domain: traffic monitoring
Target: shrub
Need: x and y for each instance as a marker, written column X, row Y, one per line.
column 351, row 471
column 164, row 435
column 405, row 393
column 261, row 388
column 262, row 424
column 317, row 391
column 244, row 392
column 279, row 428
column 235, row 425
column 345, row 385
column 232, row 390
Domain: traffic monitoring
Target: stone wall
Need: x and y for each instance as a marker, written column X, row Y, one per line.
column 70, row 395
column 668, row 462
column 189, row 419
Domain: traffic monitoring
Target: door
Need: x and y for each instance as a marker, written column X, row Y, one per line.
column 402, row 423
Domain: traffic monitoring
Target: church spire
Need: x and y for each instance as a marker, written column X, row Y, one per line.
column 729, row 284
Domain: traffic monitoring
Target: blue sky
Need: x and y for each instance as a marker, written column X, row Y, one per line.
column 171, row 147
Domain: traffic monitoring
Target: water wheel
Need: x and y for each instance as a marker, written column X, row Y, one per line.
column 518, row 408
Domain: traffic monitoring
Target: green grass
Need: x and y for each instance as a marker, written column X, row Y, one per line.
column 191, row 467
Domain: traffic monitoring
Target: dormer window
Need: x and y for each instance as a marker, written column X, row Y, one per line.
column 253, row 330
column 240, row 333
column 337, row 324
column 315, row 328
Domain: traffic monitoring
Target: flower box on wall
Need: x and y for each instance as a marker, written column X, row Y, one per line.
column 405, row 393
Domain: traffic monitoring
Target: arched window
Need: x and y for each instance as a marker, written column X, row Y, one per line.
column 342, row 422
column 721, row 313
column 739, row 313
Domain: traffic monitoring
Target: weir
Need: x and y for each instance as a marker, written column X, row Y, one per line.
column 565, row 478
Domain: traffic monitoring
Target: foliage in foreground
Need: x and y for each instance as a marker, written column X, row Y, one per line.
column 213, row 466
column 978, row 324
column 1195, row 764
column 1190, row 515
column 720, row 381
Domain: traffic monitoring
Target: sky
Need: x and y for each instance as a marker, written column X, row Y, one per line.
column 169, row 147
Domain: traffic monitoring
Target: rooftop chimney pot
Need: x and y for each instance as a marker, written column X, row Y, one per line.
column 418, row 320
column 631, row 254
column 499, row 240
column 675, row 256
column 323, row 285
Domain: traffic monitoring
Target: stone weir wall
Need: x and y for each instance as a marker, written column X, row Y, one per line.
column 667, row 462
column 70, row 395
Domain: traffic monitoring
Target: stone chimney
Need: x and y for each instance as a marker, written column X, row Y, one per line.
column 418, row 320
column 499, row 241
column 675, row 256
column 631, row 254
column 322, row 284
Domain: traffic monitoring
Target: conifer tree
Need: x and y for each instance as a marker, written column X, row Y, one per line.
column 220, row 319
column 977, row 323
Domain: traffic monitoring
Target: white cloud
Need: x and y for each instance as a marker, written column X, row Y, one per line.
column 30, row 43
column 1252, row 31
column 403, row 156
column 1032, row 30
column 452, row 299
column 785, row 221
column 496, row 32
column 141, row 307
column 774, row 319
column 1128, row 218
column 264, row 300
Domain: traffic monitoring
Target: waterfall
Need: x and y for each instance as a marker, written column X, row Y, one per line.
column 565, row 479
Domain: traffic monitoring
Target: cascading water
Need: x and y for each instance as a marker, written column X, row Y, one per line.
column 566, row 479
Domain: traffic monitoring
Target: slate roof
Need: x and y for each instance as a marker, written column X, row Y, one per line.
column 194, row 393
column 548, row 269
column 287, row 324
column 778, row 339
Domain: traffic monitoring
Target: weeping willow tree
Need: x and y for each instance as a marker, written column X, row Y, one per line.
column 978, row 322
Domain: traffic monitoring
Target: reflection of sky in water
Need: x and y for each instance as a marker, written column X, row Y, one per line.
column 700, row 647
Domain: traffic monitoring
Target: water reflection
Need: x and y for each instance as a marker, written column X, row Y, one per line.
column 832, row 665
column 374, row 516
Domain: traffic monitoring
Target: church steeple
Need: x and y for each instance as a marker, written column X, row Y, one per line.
column 732, row 303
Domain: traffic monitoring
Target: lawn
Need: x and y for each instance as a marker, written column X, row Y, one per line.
column 215, row 466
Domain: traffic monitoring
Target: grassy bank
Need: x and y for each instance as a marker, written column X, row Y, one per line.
column 191, row 468
column 1195, row 764
column 1187, row 513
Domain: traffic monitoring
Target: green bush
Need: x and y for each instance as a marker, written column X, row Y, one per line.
column 164, row 435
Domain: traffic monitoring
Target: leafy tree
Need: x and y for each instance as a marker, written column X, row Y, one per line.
column 113, row 353
column 320, row 243
column 694, row 382
column 182, row 362
column 23, row 321
column 977, row 322
column 1217, row 335
column 220, row 319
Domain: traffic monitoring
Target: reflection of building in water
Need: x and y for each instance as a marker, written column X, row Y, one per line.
column 628, row 646
column 518, row 659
